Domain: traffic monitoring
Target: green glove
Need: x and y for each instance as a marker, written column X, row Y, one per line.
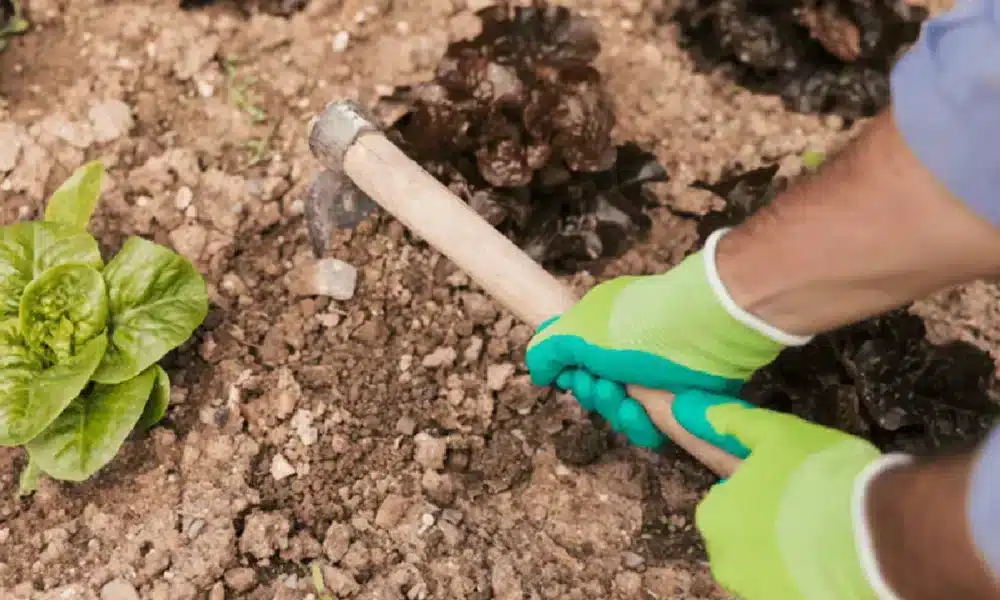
column 679, row 331
column 789, row 524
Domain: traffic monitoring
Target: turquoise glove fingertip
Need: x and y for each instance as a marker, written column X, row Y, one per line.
column 636, row 424
column 689, row 409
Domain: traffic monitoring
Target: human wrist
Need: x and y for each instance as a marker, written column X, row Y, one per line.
column 861, row 520
column 870, row 231
column 731, row 306
column 915, row 518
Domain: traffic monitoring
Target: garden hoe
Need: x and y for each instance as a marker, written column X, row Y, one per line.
column 365, row 170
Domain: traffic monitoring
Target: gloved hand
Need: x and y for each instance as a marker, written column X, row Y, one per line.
column 678, row 331
column 790, row 523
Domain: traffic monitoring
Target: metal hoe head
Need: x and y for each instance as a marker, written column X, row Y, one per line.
column 333, row 201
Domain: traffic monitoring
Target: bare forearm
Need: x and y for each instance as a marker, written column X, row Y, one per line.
column 872, row 230
column 920, row 527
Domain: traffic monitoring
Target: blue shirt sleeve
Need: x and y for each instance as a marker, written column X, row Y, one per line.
column 984, row 501
column 946, row 102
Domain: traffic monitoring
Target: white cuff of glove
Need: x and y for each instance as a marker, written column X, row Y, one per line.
column 752, row 321
column 863, row 541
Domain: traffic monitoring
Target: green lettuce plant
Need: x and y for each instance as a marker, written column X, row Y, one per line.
column 80, row 340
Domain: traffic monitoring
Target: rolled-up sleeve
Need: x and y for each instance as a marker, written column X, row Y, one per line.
column 946, row 102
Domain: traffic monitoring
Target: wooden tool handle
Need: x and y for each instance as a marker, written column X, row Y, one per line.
column 429, row 209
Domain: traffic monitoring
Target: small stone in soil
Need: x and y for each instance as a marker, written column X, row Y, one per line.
column 119, row 589
column 281, row 468
column 325, row 277
column 441, row 357
column 632, row 560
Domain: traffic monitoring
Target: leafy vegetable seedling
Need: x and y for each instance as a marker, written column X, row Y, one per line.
column 80, row 340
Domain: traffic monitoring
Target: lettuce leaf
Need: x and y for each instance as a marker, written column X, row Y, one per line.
column 74, row 202
column 157, row 300
column 32, row 392
column 88, row 434
column 29, row 249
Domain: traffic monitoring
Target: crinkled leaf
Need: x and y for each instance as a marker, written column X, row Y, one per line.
column 74, row 202
column 28, row 249
column 31, row 394
column 157, row 299
column 88, row 434
column 62, row 310
column 158, row 401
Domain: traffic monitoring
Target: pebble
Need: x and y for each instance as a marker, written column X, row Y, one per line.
column 289, row 393
column 632, row 560
column 119, row 589
column 302, row 422
column 184, row 198
column 111, row 120
column 10, row 146
column 240, row 579
column 4, row 535
column 327, row 277
column 281, row 468
column 452, row 515
column 194, row 529
column 340, row 41
column 441, row 357
column 427, row 521
column 205, row 89
column 406, row 425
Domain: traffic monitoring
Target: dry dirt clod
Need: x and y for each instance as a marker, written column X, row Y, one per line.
column 119, row 589
column 430, row 451
column 264, row 534
column 497, row 376
column 110, row 120
column 339, row 582
column 406, row 425
column 325, row 277
column 241, row 579
column 391, row 511
column 10, row 146
column 440, row 357
column 218, row 592
column 337, row 540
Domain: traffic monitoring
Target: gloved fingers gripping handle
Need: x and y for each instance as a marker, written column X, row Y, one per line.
column 626, row 415
column 690, row 408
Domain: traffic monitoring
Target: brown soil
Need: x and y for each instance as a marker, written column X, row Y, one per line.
column 416, row 475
